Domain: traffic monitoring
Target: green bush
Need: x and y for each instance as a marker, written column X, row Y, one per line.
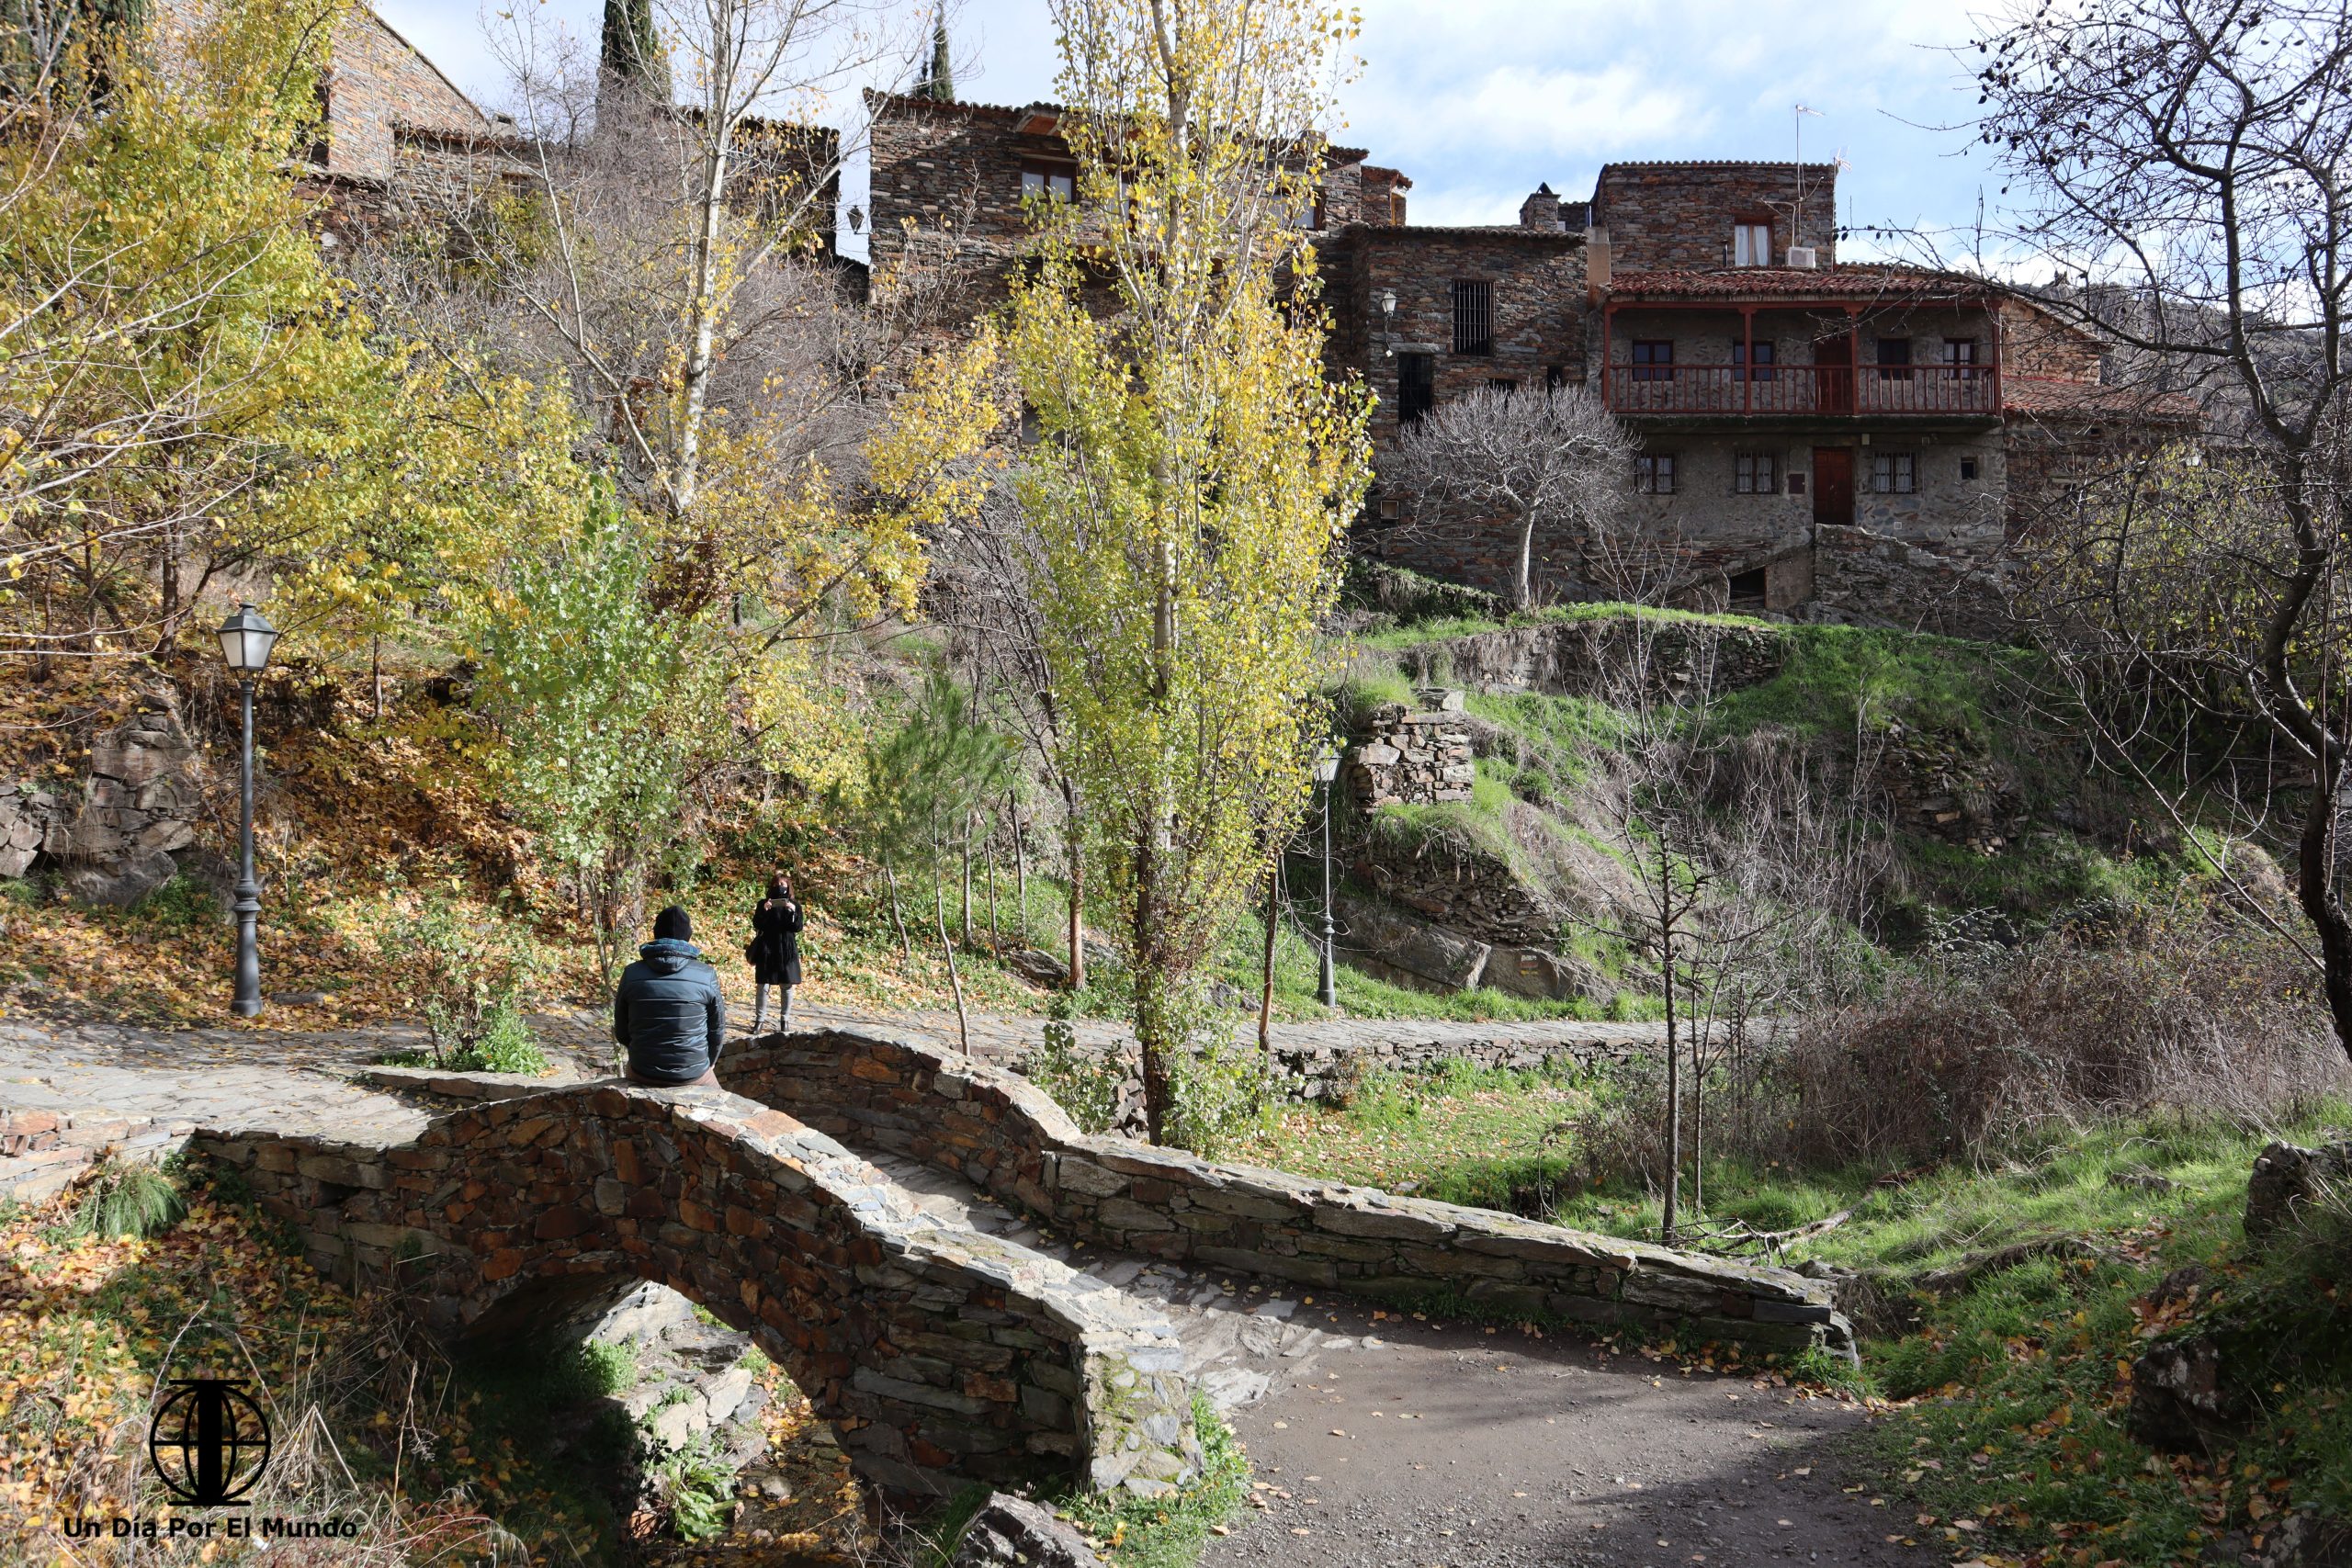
column 127, row 1198
column 183, row 904
column 1085, row 1084
column 699, row 1485
column 471, row 973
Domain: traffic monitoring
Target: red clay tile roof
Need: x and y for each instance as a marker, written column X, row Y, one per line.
column 1474, row 230
column 1393, row 176
column 1844, row 281
column 1706, row 164
column 2048, row 398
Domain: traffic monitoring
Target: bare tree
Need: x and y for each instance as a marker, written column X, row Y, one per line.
column 2187, row 164
column 1548, row 461
column 984, row 577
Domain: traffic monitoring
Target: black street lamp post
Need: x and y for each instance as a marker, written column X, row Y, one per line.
column 245, row 642
column 1326, row 987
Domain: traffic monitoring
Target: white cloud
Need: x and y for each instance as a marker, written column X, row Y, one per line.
column 1478, row 100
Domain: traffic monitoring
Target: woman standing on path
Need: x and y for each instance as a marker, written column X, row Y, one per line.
column 774, row 952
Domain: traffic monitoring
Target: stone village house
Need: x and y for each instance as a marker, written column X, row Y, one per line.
column 1819, row 439
column 1846, row 441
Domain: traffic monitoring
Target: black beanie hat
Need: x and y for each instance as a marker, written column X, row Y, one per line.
column 672, row 924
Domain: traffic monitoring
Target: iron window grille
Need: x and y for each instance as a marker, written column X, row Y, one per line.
column 1894, row 473
column 1473, row 316
column 1654, row 473
column 1416, row 386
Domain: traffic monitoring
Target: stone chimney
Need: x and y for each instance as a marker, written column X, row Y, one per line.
column 1596, row 264
column 1541, row 211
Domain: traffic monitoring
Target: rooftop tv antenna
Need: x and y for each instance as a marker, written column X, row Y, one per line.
column 1796, row 224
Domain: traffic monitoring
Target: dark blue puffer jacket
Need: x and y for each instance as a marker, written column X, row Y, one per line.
column 667, row 1012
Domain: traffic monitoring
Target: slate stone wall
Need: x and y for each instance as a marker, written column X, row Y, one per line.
column 376, row 82
column 939, row 1357
column 1416, row 755
column 1588, row 658
column 1007, row 1137
column 1680, row 214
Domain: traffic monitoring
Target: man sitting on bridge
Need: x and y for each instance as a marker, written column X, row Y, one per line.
column 667, row 1011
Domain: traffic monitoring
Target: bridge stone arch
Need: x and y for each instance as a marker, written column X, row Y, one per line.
column 939, row 1356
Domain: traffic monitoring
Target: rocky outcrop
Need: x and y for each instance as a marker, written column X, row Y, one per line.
column 1947, row 783
column 116, row 840
column 1386, row 942
column 33, row 822
column 2286, row 1177
column 1014, row 1532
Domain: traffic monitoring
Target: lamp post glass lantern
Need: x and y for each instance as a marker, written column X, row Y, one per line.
column 245, row 642
column 1327, row 985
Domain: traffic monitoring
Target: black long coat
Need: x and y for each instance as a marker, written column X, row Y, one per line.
column 776, row 942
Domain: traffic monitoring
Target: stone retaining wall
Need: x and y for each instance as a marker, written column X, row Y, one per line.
column 939, row 1357
column 1006, row 1137
column 1585, row 658
column 1417, row 756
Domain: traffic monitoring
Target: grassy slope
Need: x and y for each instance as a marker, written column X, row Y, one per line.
column 2010, row 1397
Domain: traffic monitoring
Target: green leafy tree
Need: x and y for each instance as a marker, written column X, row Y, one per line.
column 1195, row 471
column 938, row 81
column 632, row 54
column 606, row 708
column 925, row 785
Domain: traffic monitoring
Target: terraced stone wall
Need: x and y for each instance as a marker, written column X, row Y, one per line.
column 1007, row 1137
column 940, row 1357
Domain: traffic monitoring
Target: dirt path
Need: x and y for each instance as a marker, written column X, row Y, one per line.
column 1455, row 1447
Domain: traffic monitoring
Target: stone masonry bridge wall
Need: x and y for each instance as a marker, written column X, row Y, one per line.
column 939, row 1357
column 1007, row 1136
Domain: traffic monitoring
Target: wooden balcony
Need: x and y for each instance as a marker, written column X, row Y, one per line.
column 1806, row 391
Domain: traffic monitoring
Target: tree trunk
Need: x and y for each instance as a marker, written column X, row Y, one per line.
column 996, row 936
column 965, row 875
column 1524, row 582
column 1266, row 962
column 906, row 948
column 1077, row 891
column 1673, row 1050
column 954, row 976
column 702, row 315
column 2319, row 890
column 1156, row 1026
column 1021, row 877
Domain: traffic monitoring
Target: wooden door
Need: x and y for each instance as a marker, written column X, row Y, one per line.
column 1832, row 486
column 1833, row 359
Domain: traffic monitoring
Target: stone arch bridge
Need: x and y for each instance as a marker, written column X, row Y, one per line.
column 939, row 1355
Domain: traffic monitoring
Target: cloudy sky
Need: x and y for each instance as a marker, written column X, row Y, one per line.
column 1479, row 100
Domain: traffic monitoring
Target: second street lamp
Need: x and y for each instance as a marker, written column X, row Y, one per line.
column 245, row 642
column 1327, row 985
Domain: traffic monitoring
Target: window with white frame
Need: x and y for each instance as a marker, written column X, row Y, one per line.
column 1894, row 473
column 1756, row 473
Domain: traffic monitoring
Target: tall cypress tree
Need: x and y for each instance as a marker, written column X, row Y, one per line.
column 938, row 83
column 632, row 52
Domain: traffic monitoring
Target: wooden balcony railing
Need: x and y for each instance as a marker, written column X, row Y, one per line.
column 1867, row 391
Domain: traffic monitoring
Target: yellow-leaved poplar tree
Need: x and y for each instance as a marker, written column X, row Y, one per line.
column 1195, row 469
